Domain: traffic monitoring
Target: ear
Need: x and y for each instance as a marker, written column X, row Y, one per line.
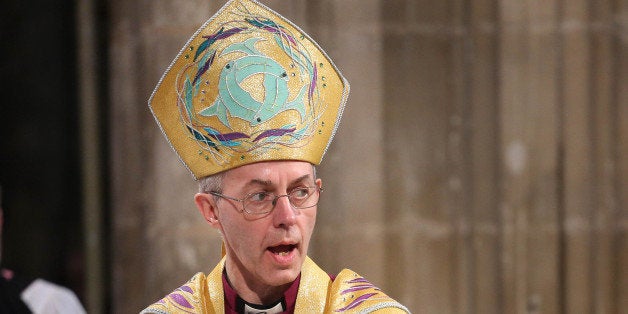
column 206, row 204
column 319, row 183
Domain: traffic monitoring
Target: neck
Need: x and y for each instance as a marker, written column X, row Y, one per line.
column 250, row 290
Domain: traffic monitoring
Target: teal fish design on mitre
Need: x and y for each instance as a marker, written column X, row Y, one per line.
column 235, row 101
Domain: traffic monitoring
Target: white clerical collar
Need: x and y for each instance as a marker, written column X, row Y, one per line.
column 251, row 309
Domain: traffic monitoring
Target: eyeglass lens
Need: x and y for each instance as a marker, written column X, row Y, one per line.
column 263, row 202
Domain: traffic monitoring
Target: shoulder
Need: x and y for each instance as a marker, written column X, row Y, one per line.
column 352, row 293
column 185, row 299
column 41, row 295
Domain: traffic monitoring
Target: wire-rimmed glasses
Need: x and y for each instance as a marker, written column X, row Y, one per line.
column 260, row 203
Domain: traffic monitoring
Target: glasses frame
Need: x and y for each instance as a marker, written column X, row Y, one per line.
column 273, row 202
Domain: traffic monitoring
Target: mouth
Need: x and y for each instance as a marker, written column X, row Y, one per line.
column 282, row 249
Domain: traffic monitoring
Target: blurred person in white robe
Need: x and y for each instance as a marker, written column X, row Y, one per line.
column 21, row 295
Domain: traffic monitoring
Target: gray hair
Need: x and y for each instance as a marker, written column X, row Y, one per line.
column 213, row 183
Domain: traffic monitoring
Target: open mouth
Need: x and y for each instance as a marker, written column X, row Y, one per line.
column 283, row 249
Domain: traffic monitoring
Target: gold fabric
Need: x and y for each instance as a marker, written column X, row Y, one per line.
column 249, row 86
column 348, row 293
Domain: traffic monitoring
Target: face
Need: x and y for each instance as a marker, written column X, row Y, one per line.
column 263, row 251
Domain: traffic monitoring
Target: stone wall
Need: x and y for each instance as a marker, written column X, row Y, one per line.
column 478, row 167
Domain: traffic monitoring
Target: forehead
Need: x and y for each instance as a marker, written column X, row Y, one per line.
column 271, row 171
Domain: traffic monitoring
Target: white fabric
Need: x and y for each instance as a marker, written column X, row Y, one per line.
column 43, row 297
column 274, row 310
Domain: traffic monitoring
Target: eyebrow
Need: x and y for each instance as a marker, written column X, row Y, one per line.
column 268, row 183
column 300, row 179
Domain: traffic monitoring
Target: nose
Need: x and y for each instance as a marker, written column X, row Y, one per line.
column 283, row 214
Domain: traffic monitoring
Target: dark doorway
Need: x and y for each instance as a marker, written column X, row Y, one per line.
column 39, row 142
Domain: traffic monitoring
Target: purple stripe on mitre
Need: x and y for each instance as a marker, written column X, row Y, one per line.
column 356, row 302
column 220, row 34
column 290, row 39
column 229, row 136
column 313, row 83
column 180, row 300
column 204, row 68
column 273, row 132
column 230, row 32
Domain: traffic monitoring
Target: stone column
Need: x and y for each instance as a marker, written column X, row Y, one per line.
column 478, row 169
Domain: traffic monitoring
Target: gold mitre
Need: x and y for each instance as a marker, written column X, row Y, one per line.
column 249, row 86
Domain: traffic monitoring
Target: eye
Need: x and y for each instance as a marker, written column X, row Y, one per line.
column 300, row 193
column 258, row 197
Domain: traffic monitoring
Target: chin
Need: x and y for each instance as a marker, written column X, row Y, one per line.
column 284, row 276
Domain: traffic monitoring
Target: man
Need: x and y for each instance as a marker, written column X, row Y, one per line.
column 250, row 105
column 23, row 295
